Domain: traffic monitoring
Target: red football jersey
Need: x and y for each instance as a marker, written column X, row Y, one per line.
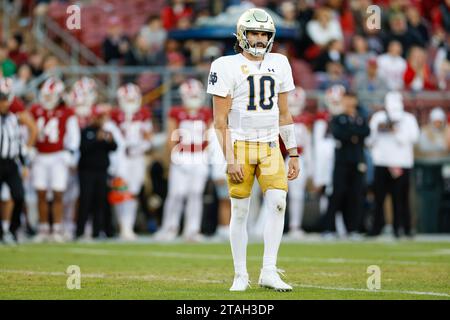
column 195, row 123
column 118, row 116
column 17, row 105
column 52, row 126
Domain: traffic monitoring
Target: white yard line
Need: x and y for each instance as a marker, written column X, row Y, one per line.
column 151, row 277
column 420, row 293
column 183, row 255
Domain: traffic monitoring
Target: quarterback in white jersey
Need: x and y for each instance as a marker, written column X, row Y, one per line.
column 250, row 111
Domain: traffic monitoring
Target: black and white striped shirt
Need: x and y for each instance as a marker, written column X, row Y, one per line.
column 11, row 140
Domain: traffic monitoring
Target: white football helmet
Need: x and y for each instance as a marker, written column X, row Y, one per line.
column 333, row 99
column 255, row 20
column 192, row 94
column 51, row 93
column 6, row 89
column 83, row 95
column 129, row 97
column 296, row 101
column 394, row 105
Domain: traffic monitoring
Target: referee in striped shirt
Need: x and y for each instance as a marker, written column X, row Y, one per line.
column 12, row 149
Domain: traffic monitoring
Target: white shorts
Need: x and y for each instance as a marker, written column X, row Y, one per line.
column 51, row 171
column 187, row 178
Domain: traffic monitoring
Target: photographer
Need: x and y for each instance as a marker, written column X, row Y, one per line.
column 393, row 135
column 96, row 145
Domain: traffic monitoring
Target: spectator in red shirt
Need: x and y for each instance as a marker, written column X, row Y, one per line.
column 417, row 76
column 174, row 12
column 441, row 16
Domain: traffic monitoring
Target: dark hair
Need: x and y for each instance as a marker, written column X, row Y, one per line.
column 152, row 18
column 350, row 93
column 237, row 48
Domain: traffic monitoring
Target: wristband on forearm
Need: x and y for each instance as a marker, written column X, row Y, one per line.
column 287, row 134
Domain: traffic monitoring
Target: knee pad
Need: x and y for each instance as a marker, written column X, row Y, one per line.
column 276, row 200
column 240, row 208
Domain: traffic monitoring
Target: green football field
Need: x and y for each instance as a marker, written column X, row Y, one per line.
column 317, row 270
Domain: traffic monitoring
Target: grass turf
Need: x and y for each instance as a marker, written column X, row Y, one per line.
column 409, row 270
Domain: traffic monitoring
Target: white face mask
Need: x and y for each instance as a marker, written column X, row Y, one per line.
column 130, row 107
column 83, row 111
column 49, row 102
column 193, row 103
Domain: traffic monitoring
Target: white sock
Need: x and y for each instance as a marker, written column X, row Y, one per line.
column 5, row 225
column 57, row 228
column 273, row 230
column 238, row 233
column 172, row 213
column 194, row 209
column 120, row 214
column 132, row 207
column 223, row 230
column 44, row 228
column 296, row 207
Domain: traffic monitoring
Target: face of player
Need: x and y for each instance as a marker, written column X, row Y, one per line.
column 257, row 39
column 49, row 101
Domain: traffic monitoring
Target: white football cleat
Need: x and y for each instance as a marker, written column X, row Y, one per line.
column 240, row 282
column 57, row 237
column 41, row 237
column 128, row 236
column 165, row 236
column 270, row 278
column 8, row 238
column 194, row 238
column 296, row 234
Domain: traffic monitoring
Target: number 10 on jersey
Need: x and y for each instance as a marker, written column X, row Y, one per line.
column 266, row 88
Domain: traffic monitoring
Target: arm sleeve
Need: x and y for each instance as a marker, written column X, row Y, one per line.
column 220, row 80
column 408, row 131
column 72, row 136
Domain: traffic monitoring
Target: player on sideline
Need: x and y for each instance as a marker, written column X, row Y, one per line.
column 250, row 94
column 186, row 144
column 57, row 142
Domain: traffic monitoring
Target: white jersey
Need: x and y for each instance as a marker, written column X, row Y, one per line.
column 254, row 87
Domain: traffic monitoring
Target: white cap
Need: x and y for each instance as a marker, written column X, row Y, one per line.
column 437, row 114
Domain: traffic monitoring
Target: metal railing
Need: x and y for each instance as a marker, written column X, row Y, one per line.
column 44, row 26
column 164, row 90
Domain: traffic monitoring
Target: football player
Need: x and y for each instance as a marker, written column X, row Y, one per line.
column 297, row 187
column 134, row 120
column 57, row 142
column 187, row 140
column 250, row 98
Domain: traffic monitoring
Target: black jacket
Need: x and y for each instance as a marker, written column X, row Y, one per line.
column 349, row 133
column 94, row 153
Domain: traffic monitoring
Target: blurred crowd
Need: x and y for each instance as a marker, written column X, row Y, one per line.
column 409, row 50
